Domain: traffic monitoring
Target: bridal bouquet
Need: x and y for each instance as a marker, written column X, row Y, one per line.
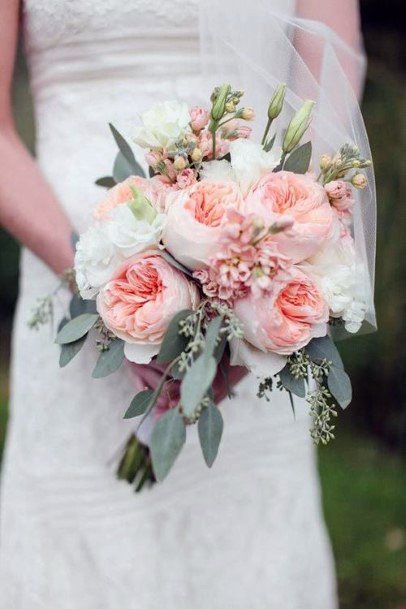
column 233, row 255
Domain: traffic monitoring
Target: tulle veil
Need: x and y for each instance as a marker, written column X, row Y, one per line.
column 255, row 48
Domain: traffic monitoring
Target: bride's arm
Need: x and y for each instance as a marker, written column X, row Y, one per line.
column 343, row 18
column 28, row 207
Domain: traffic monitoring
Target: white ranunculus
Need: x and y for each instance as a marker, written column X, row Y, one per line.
column 341, row 277
column 96, row 260
column 250, row 162
column 217, row 171
column 129, row 235
column 163, row 125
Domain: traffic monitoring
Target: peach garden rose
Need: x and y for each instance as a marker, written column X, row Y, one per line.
column 300, row 197
column 285, row 319
column 194, row 221
column 139, row 302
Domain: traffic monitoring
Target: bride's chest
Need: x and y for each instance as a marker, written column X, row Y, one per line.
column 52, row 22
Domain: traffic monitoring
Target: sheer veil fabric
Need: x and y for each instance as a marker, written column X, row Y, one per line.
column 249, row 533
column 316, row 64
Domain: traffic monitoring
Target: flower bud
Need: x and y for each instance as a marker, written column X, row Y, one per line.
column 276, row 104
column 247, row 114
column 297, row 126
column 359, row 180
column 219, row 105
column 230, row 107
column 196, row 155
column 325, row 162
column 179, row 163
column 141, row 206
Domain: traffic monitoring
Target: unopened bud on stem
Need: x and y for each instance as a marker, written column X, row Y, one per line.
column 297, row 126
column 219, row 104
column 276, row 103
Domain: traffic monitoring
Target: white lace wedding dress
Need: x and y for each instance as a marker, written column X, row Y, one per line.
column 248, row 534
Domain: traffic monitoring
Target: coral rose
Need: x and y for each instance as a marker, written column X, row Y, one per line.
column 304, row 200
column 138, row 304
column 195, row 218
column 285, row 319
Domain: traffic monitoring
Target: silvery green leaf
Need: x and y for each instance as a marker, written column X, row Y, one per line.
column 76, row 328
column 173, row 262
column 173, row 343
column 122, row 169
column 212, row 333
column 290, row 383
column 139, row 404
column 122, row 144
column 210, row 429
column 78, row 306
column 110, row 360
column 127, row 153
column 74, row 238
column 299, row 160
column 106, row 182
column 167, row 440
column 324, row 348
column 339, row 385
column 269, row 144
column 69, row 351
column 196, row 383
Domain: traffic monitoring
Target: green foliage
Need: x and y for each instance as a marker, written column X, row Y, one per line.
column 167, row 440
column 299, row 160
column 139, row 404
column 210, row 429
column 110, row 359
column 76, row 328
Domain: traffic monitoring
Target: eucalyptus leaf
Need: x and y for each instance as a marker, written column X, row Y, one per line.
column 110, row 360
column 122, row 169
column 106, row 182
column 299, row 160
column 76, row 328
column 173, row 343
column 290, row 383
column 212, row 333
column 324, row 348
column 210, row 429
column 167, row 440
column 69, row 351
column 196, row 383
column 339, row 385
column 78, row 306
column 123, row 145
column 173, row 262
column 139, row 404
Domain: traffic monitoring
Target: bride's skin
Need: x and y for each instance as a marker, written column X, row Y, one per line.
column 28, row 208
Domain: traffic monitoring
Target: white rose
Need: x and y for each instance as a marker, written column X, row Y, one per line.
column 163, row 125
column 250, row 162
column 341, row 278
column 129, row 235
column 95, row 261
column 217, row 171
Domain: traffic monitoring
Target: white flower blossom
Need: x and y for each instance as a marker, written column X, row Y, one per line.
column 341, row 277
column 163, row 125
column 250, row 162
column 217, row 171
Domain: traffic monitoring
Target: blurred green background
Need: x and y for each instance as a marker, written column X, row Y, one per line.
column 363, row 473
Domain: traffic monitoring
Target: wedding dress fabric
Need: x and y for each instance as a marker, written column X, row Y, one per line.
column 247, row 534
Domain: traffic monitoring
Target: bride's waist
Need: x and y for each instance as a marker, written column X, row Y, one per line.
column 129, row 57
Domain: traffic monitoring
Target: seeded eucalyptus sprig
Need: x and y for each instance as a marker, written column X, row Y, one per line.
column 347, row 158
